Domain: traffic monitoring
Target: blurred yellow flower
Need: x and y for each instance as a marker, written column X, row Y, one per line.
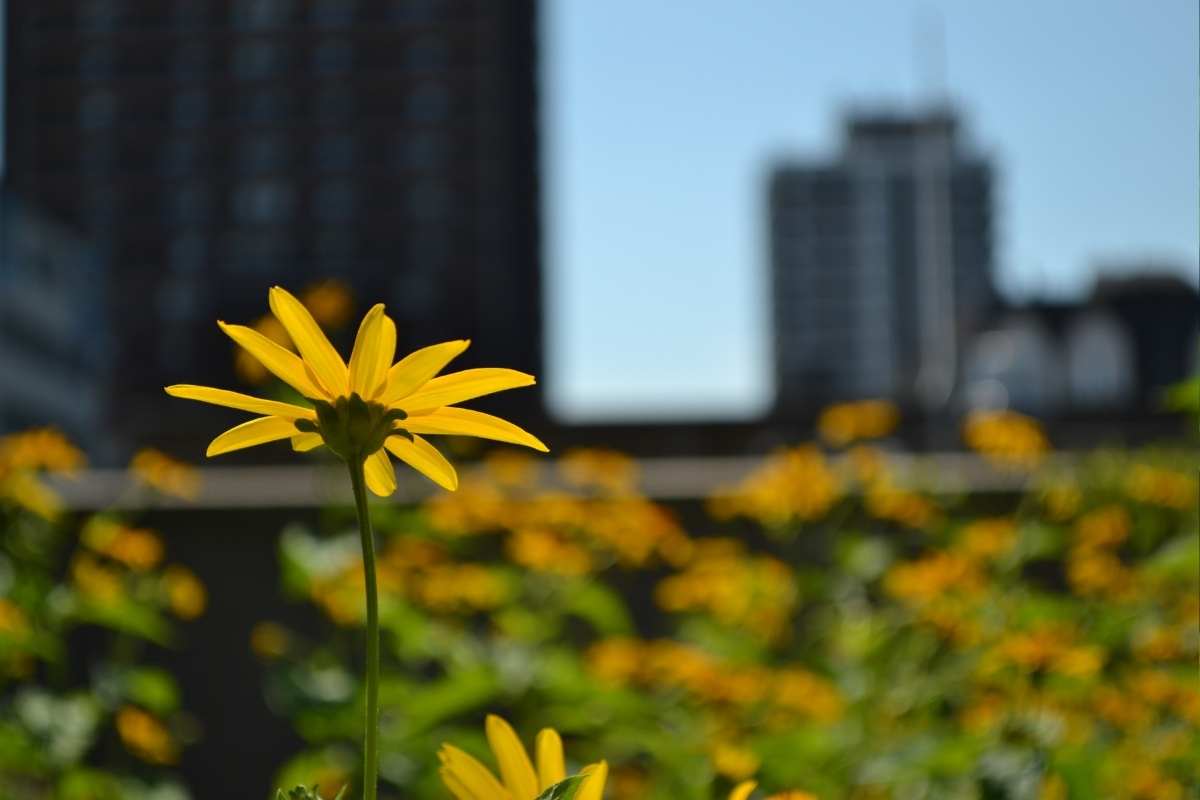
column 269, row 640
column 136, row 548
column 23, row 455
column 543, row 550
column 1053, row 787
column 512, row 469
column 468, row 779
column 330, row 301
column 13, row 622
column 39, row 449
column 933, row 576
column 868, row 464
column 1163, row 487
column 793, row 484
column 165, row 474
column 1103, row 527
column 607, row 469
column 459, row 587
column 145, row 736
column 884, row 501
column 987, row 538
column 1051, row 648
column 96, row 582
column 789, row 692
column 732, row 761
column 185, row 593
column 844, row 423
column 1062, row 501
column 23, row 488
column 757, row 593
column 1006, row 438
column 367, row 409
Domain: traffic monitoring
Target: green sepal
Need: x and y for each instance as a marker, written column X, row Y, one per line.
column 564, row 790
column 352, row 427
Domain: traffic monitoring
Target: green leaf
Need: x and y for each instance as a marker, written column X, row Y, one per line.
column 563, row 790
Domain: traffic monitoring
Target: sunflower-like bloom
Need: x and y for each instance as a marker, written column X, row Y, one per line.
column 468, row 779
column 368, row 408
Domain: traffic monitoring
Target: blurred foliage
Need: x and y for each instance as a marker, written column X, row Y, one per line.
column 822, row 625
column 83, row 716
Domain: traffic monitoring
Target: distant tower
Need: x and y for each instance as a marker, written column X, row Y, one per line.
column 881, row 263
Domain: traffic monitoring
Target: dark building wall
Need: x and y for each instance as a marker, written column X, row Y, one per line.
column 212, row 149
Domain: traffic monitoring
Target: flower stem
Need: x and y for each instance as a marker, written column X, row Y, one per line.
column 371, row 738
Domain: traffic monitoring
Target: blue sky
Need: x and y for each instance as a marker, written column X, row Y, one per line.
column 660, row 118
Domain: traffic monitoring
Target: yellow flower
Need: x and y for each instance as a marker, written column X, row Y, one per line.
column 1162, row 487
column 12, row 619
column 185, row 593
column 23, row 488
column 162, row 473
column 138, row 549
column 146, row 737
column 39, row 448
column 330, row 302
column 1006, row 438
column 988, row 538
column 844, row 423
column 468, row 779
column 269, row 640
column 365, row 409
column 733, row 761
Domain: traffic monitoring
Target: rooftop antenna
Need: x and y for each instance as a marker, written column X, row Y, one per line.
column 929, row 40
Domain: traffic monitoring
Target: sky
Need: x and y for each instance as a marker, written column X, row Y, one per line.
column 660, row 120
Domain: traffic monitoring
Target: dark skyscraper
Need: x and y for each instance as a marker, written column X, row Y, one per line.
column 207, row 150
column 881, row 263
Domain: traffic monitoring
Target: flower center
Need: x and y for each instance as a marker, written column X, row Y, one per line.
column 352, row 427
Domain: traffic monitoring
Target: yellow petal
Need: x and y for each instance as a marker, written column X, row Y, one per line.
column 458, row 386
column 424, row 458
column 515, row 767
column 373, row 350
column 304, row 442
column 456, row 786
column 742, row 790
column 415, row 369
column 248, row 434
column 381, row 475
column 472, row 780
column 309, row 340
column 593, row 787
column 467, row 422
column 281, row 362
column 550, row 763
column 243, row 402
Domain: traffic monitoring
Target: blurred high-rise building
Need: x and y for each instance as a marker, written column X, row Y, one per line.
column 54, row 354
column 881, row 263
column 208, row 150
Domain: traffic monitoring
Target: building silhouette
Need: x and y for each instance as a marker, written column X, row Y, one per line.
column 54, row 354
column 207, row 150
column 1113, row 351
column 881, row 263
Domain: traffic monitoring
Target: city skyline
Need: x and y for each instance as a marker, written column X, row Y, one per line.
column 1092, row 129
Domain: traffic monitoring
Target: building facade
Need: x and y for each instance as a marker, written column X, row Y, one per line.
column 54, row 354
column 881, row 263
column 209, row 150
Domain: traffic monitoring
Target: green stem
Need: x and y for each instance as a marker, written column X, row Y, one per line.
column 371, row 738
